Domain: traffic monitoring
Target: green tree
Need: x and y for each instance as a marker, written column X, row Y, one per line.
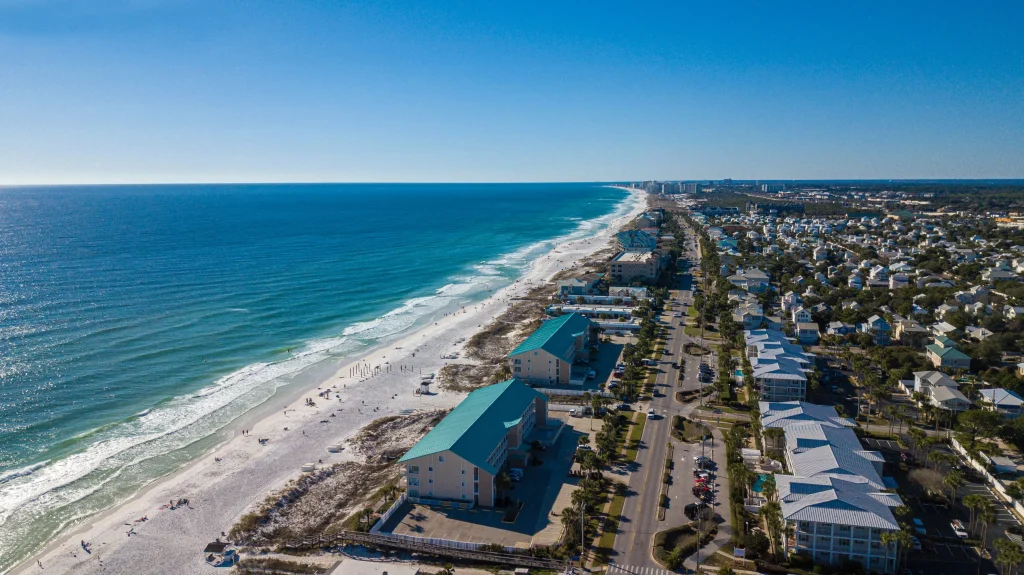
column 977, row 422
column 953, row 480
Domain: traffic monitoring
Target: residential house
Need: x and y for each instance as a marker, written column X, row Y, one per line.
column 940, row 390
column 800, row 315
column 943, row 329
column 577, row 286
column 840, row 328
column 899, row 280
column 879, row 273
column 944, row 353
column 807, row 332
column 752, row 280
column 879, row 329
column 1006, row 402
column 912, row 334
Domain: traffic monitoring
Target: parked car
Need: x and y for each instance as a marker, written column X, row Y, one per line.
column 650, row 412
column 919, row 527
column 915, row 543
column 835, row 389
column 958, row 528
column 592, row 374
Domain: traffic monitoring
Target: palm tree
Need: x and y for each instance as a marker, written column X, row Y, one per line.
column 902, row 541
column 986, row 517
column 953, row 480
column 1008, row 554
column 917, row 436
column 973, row 503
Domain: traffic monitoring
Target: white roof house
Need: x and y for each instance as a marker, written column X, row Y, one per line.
column 1006, row 402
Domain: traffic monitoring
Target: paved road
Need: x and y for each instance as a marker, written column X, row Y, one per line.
column 639, row 524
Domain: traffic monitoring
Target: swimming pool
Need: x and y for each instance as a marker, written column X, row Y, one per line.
column 759, row 482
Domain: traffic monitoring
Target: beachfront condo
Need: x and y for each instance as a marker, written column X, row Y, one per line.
column 492, row 429
column 628, row 267
column 547, row 356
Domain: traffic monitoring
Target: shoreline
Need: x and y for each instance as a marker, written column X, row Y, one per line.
column 238, row 473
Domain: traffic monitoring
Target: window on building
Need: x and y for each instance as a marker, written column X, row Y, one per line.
column 414, row 469
column 430, row 481
column 440, row 458
column 414, row 493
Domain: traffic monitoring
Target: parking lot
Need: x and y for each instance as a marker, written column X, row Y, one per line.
column 541, row 487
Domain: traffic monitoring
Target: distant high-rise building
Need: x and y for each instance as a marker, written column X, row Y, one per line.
column 773, row 187
column 691, row 188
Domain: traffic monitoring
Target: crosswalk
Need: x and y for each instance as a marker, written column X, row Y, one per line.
column 628, row 570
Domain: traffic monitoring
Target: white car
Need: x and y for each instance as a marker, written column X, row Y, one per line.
column 650, row 411
column 572, row 412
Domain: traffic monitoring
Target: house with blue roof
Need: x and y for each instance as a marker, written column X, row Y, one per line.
column 490, row 430
column 547, row 356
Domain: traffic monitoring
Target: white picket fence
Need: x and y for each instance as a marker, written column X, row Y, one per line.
column 391, row 511
column 995, row 482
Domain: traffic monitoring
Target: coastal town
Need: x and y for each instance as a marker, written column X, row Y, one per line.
column 737, row 378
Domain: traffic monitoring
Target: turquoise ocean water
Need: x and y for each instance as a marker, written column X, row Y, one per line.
column 138, row 321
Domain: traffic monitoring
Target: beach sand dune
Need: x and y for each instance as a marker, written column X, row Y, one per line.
column 240, row 473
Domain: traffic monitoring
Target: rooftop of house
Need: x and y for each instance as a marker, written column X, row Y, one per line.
column 554, row 335
column 947, row 352
column 1001, row 397
column 475, row 426
column 935, row 379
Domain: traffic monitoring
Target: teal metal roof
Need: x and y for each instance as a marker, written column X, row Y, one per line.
column 475, row 426
column 947, row 352
column 554, row 335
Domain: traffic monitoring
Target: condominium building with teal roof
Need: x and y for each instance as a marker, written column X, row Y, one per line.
column 458, row 460
column 546, row 357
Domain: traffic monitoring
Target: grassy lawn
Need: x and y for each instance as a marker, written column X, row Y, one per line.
column 607, row 540
column 692, row 312
column 633, row 445
column 694, row 331
column 724, row 409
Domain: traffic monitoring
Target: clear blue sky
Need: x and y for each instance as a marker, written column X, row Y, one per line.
column 180, row 90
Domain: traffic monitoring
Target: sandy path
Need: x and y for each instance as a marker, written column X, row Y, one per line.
column 219, row 492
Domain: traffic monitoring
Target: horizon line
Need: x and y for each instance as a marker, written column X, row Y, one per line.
column 491, row 182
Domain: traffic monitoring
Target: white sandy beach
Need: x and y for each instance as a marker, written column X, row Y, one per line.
column 219, row 492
